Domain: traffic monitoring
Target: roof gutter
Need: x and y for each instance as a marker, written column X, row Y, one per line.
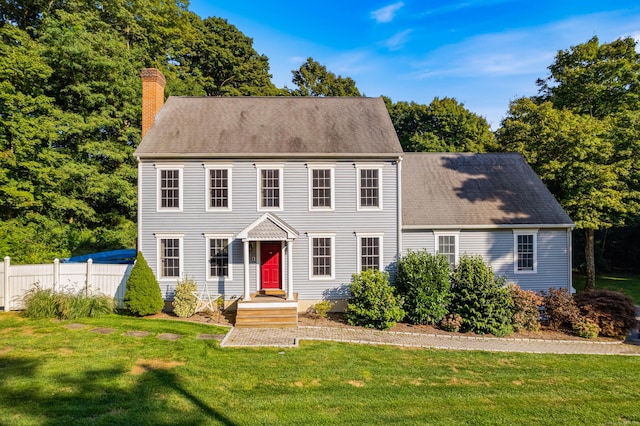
column 254, row 156
column 491, row 226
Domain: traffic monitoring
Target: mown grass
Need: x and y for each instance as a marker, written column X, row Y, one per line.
column 53, row 375
column 627, row 284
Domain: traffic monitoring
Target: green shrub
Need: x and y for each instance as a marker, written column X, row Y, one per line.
column 321, row 309
column 525, row 311
column 479, row 298
column 46, row 303
column 422, row 279
column 143, row 296
column 185, row 301
column 586, row 328
column 372, row 303
column 560, row 309
column 612, row 311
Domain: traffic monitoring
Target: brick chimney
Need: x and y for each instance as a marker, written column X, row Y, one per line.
column 152, row 96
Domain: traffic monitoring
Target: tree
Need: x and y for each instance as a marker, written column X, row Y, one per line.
column 313, row 79
column 444, row 125
column 143, row 296
column 581, row 135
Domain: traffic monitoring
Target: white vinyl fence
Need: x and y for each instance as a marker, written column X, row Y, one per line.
column 91, row 278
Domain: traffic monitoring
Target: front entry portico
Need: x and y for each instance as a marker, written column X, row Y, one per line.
column 273, row 241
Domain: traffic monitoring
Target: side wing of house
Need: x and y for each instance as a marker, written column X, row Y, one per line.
column 491, row 205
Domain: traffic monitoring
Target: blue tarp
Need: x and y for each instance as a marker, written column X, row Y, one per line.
column 113, row 256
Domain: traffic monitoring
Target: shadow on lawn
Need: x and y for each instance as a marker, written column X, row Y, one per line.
column 98, row 397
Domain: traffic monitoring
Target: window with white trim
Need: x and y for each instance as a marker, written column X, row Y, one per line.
column 169, row 256
column 218, row 256
column 369, row 184
column 321, row 256
column 369, row 252
column 270, row 188
column 169, row 187
column 218, row 188
column 525, row 251
column 447, row 245
column 321, row 187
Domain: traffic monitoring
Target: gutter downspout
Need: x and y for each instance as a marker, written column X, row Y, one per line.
column 399, row 208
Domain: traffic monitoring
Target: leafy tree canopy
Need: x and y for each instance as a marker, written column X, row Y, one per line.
column 581, row 135
column 444, row 125
column 313, row 79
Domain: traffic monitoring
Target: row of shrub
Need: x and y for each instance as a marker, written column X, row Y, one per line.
column 470, row 298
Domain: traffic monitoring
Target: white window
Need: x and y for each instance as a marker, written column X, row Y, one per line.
column 218, row 256
column 370, row 253
column 169, row 256
column 169, row 184
column 270, row 188
column 369, row 184
column 321, row 256
column 218, row 186
column 525, row 249
column 321, row 187
column 447, row 245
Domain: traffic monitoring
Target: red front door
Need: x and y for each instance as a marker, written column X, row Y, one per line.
column 270, row 264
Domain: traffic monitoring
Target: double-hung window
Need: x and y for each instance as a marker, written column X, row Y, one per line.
column 169, row 255
column 321, row 256
column 447, row 245
column 369, row 251
column 369, row 185
column 169, row 183
column 270, row 187
column 218, row 186
column 525, row 252
column 218, row 256
column 321, row 187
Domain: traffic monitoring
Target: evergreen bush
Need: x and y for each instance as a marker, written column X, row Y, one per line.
column 143, row 296
column 372, row 303
column 481, row 299
column 612, row 311
column 422, row 279
column 185, row 301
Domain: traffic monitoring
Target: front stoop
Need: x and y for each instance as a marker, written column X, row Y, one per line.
column 267, row 311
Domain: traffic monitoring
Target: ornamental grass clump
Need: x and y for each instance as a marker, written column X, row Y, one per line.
column 143, row 296
column 422, row 279
column 481, row 299
column 63, row 305
column 185, row 301
column 373, row 303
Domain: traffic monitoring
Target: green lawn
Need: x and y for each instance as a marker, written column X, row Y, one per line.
column 627, row 284
column 53, row 375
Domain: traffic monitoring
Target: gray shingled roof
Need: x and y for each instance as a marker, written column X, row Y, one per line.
column 271, row 126
column 457, row 190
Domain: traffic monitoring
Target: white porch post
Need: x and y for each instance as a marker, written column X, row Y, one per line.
column 289, row 270
column 247, row 290
column 7, row 264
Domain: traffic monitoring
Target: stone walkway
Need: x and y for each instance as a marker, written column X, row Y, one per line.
column 289, row 337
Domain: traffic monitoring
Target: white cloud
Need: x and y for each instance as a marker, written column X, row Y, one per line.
column 387, row 13
column 398, row 40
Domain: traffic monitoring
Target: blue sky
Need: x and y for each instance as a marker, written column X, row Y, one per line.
column 484, row 53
